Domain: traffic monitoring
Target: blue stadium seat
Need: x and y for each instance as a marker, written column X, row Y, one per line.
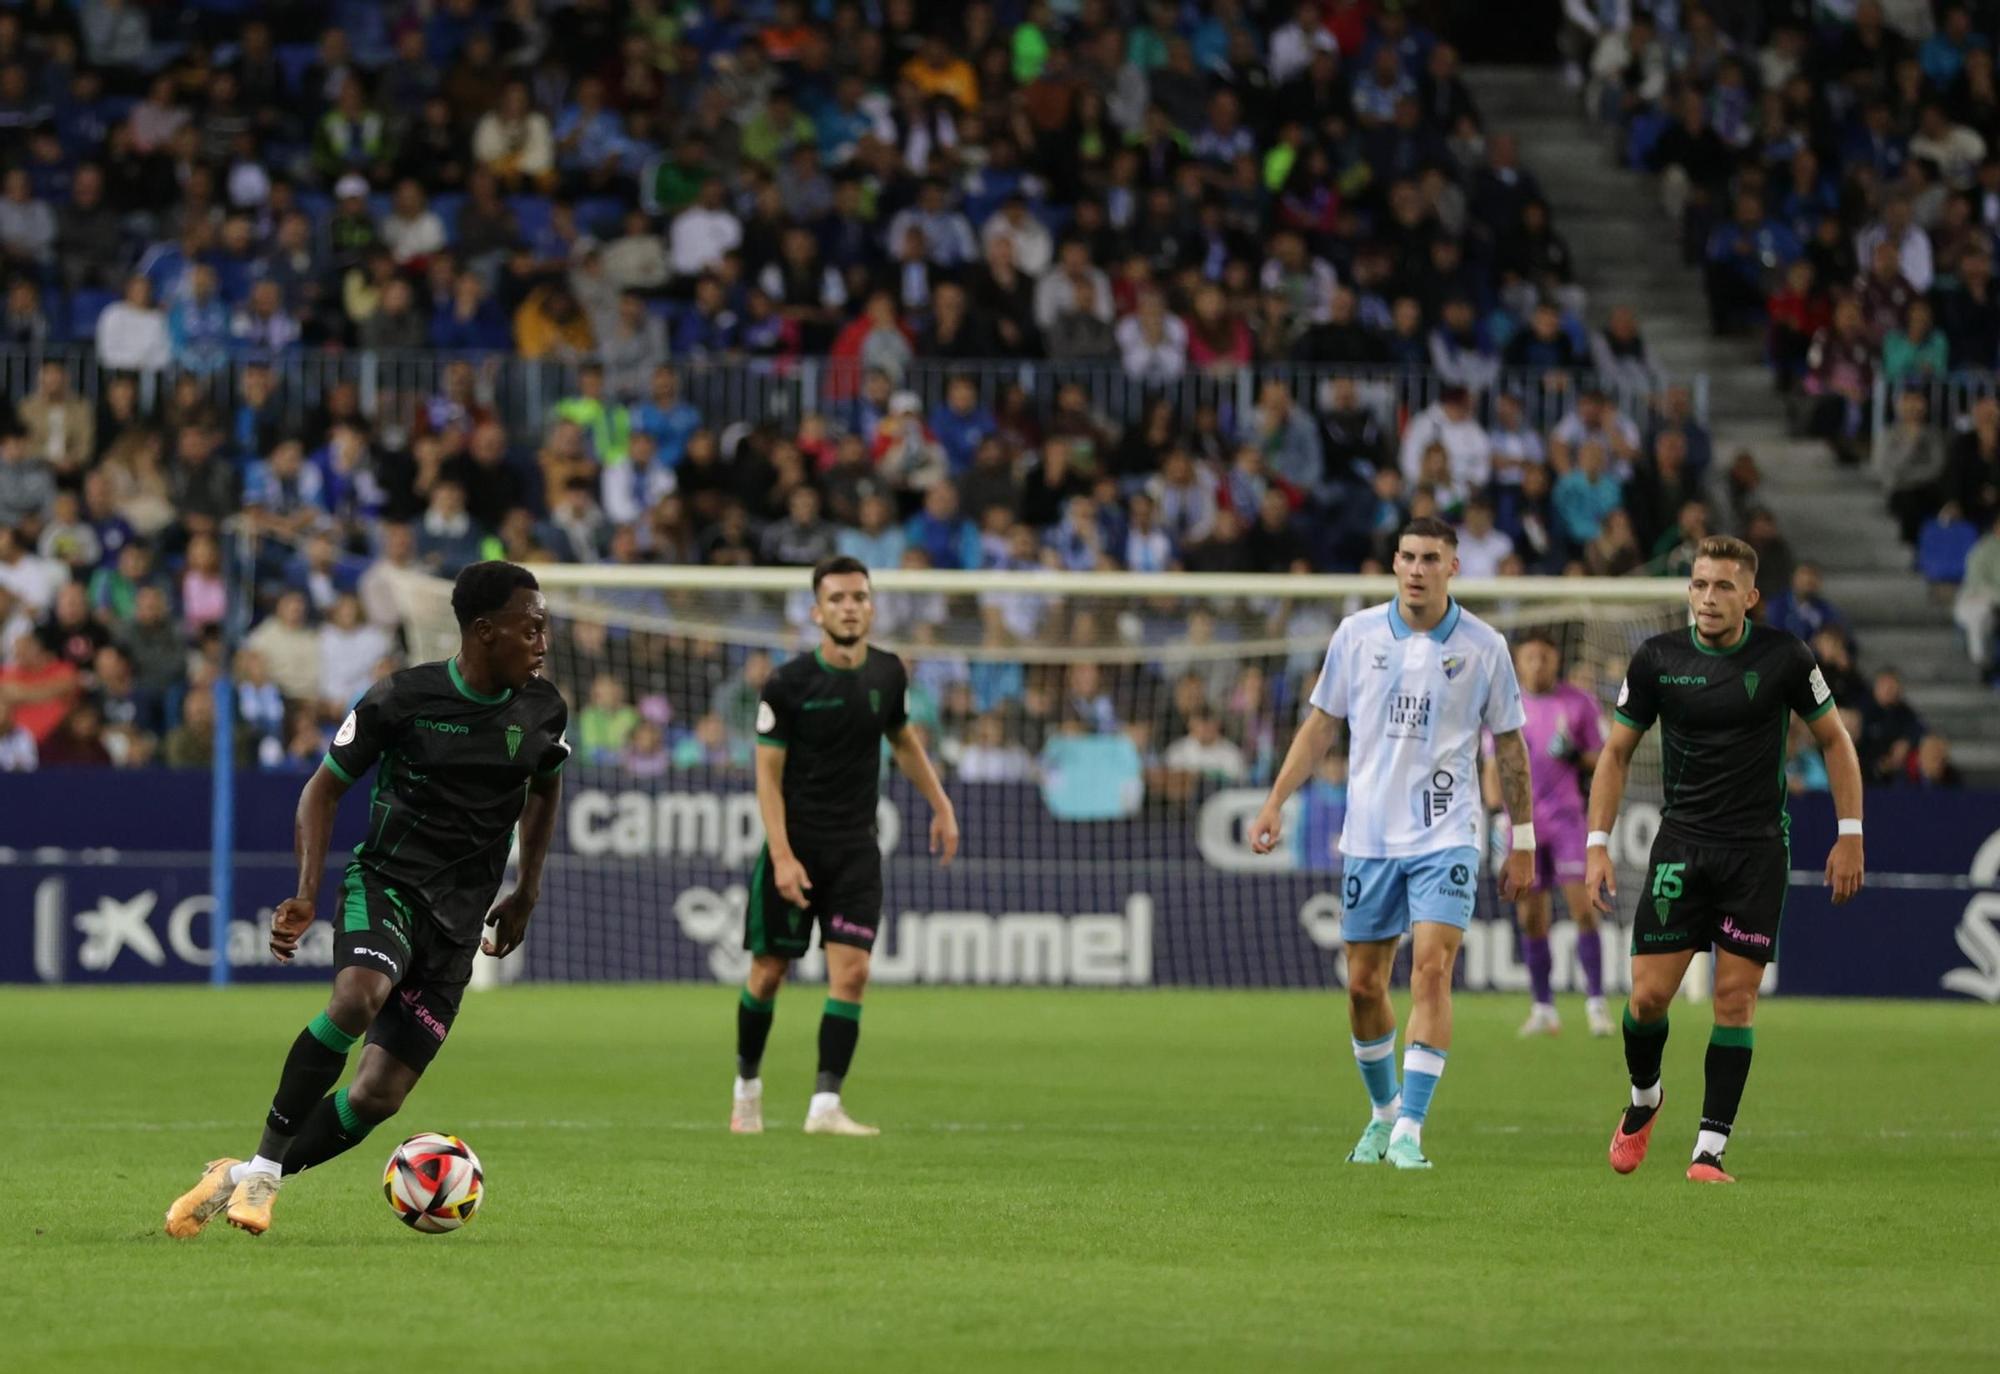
column 532, row 213
column 600, row 216
column 294, row 58
column 84, row 308
column 447, row 204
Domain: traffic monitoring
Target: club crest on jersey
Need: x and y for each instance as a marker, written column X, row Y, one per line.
column 1453, row 665
column 874, row 701
column 1750, row 684
column 514, row 733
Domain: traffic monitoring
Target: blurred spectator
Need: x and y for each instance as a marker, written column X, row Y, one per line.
column 1930, row 765
column 1978, row 601
column 514, row 142
column 990, row 756
column 1449, row 422
column 606, row 723
column 1482, row 548
column 1910, row 465
column 1944, row 544
column 1205, row 753
column 1890, row 728
column 131, row 334
column 349, row 648
column 1802, row 611
column 78, row 740
column 30, row 580
column 1587, row 494
column 291, row 648
column 38, row 687
column 71, row 633
column 18, row 753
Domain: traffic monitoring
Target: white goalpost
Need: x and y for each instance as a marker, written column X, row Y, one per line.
column 1106, row 737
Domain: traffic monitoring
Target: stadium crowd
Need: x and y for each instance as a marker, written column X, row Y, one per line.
column 1835, row 170
column 636, row 194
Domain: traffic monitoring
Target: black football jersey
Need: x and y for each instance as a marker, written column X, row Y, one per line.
column 452, row 769
column 1724, row 715
column 830, row 722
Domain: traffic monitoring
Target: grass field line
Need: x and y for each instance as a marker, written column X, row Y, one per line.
column 719, row 1124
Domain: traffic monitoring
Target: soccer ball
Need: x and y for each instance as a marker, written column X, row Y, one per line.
column 433, row 1182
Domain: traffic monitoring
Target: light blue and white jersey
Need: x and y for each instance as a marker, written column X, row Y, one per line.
column 1414, row 706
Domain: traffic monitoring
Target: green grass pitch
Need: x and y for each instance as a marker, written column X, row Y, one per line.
column 1066, row 1181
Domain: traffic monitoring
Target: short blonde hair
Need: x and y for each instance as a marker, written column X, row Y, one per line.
column 1726, row 546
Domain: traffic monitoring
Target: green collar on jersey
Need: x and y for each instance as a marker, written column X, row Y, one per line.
column 1441, row 631
column 1694, row 636
column 820, row 655
column 458, row 681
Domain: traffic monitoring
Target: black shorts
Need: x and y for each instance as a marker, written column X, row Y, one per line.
column 844, row 901
column 381, row 928
column 1695, row 895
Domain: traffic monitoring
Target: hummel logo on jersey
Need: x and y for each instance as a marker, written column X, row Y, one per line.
column 514, row 733
column 1381, row 662
column 1750, row 685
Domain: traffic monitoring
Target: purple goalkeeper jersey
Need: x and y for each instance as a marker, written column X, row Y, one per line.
column 1562, row 727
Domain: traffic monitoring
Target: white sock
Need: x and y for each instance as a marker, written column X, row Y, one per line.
column 747, row 1088
column 1647, row 1097
column 258, row 1165
column 1710, row 1143
column 1594, row 1005
column 823, row 1102
column 1388, row 1112
column 1407, row 1129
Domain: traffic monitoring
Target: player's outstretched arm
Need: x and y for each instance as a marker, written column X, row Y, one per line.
column 1607, row 791
column 509, row 917
column 312, row 835
column 1517, row 790
column 1844, row 863
column 1316, row 735
column 907, row 745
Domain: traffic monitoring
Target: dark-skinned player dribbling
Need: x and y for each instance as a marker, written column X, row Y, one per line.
column 463, row 750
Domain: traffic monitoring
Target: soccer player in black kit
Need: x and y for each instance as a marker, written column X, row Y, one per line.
column 820, row 727
column 1724, row 691
column 462, row 750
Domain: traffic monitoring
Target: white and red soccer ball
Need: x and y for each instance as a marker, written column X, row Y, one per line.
column 434, row 1182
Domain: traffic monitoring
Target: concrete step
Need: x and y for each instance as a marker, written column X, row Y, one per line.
column 1874, row 600
column 1929, row 656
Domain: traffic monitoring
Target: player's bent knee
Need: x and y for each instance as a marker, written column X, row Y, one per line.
column 1735, row 1006
column 358, row 994
column 1430, row 981
column 376, row 1099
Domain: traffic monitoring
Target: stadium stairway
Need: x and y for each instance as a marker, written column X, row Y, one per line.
column 1626, row 254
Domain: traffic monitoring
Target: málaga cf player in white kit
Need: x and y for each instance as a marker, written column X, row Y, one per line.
column 1416, row 680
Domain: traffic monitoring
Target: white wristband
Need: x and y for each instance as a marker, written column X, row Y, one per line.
column 1850, row 825
column 1524, row 836
column 1597, row 839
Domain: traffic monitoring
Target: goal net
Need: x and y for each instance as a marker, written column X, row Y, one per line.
column 1106, row 739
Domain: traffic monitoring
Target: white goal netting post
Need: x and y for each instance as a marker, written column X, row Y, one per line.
column 1106, row 739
